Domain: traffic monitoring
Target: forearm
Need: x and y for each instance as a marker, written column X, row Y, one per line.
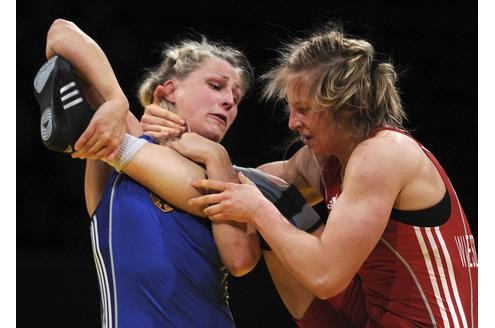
column 303, row 254
column 167, row 174
column 132, row 125
column 239, row 251
column 96, row 77
column 294, row 295
column 64, row 38
column 95, row 100
column 292, row 171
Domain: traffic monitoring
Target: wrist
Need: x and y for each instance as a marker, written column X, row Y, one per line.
column 219, row 166
column 121, row 104
column 127, row 150
column 266, row 213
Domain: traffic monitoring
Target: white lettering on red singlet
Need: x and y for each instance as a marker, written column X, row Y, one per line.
column 467, row 250
column 331, row 203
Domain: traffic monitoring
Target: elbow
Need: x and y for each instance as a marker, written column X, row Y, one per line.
column 240, row 266
column 242, row 262
column 61, row 25
column 60, row 22
column 56, row 34
column 326, row 287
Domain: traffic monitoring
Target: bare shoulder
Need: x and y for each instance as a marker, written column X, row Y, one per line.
column 391, row 146
column 389, row 156
column 302, row 170
column 292, row 169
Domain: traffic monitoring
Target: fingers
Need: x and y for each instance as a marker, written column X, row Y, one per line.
column 244, row 180
column 211, row 184
column 112, row 154
column 87, row 142
column 97, row 148
column 158, row 125
column 162, row 124
column 155, row 117
column 211, row 205
column 205, row 200
column 95, row 151
column 172, row 117
column 159, row 132
column 175, row 145
column 98, row 143
column 83, row 139
column 218, row 217
column 213, row 210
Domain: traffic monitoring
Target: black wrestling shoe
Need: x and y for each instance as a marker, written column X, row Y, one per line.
column 65, row 113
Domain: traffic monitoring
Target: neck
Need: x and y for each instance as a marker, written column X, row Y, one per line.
column 346, row 146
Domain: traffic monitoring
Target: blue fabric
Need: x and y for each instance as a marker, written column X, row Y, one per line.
column 158, row 266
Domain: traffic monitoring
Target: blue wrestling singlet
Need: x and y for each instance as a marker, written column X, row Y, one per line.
column 157, row 265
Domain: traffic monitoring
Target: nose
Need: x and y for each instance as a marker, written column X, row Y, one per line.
column 228, row 100
column 294, row 121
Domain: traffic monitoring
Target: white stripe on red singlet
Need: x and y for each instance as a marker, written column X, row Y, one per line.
column 432, row 275
column 463, row 219
column 415, row 279
column 453, row 282
column 442, row 276
column 453, row 195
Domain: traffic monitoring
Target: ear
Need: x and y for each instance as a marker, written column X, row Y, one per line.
column 165, row 91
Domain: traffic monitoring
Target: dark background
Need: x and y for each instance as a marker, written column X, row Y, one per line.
column 434, row 46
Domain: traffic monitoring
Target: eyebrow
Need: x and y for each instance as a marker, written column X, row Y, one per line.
column 224, row 76
column 236, row 85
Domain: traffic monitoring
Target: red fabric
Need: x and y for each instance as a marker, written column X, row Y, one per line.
column 415, row 276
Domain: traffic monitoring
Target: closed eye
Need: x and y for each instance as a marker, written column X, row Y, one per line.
column 299, row 110
column 215, row 86
column 302, row 110
column 237, row 97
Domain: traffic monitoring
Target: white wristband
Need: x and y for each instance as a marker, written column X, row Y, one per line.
column 127, row 150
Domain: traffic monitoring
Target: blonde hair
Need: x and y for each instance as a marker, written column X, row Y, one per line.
column 344, row 77
column 180, row 59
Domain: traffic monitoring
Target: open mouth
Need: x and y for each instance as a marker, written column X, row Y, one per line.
column 220, row 117
column 305, row 139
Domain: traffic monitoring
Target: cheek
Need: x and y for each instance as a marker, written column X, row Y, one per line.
column 317, row 121
column 184, row 110
column 232, row 114
column 323, row 126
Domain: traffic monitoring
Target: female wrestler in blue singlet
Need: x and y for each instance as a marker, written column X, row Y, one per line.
column 156, row 263
column 159, row 266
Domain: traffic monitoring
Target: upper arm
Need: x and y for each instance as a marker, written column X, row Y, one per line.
column 96, row 176
column 99, row 85
column 373, row 179
column 168, row 174
column 97, row 172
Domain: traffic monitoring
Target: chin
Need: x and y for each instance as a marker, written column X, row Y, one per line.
column 213, row 136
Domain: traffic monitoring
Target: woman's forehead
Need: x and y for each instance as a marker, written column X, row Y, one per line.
column 219, row 66
column 214, row 67
column 298, row 89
